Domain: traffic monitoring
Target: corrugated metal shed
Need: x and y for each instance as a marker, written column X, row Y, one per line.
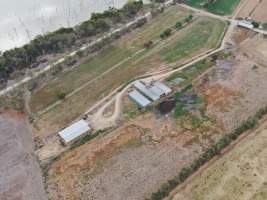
column 138, row 98
column 245, row 24
column 148, row 93
column 163, row 87
column 157, row 90
column 73, row 132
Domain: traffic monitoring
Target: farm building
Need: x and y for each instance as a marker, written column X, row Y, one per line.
column 138, row 98
column 74, row 132
column 163, row 87
column 157, row 90
column 245, row 24
column 145, row 91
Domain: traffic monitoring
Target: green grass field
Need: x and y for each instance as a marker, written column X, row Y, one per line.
column 118, row 51
column 160, row 55
column 220, row 7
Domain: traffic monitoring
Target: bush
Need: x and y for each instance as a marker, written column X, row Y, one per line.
column 148, row 44
column 189, row 18
column 255, row 24
column 61, row 96
column 178, row 25
column 166, row 33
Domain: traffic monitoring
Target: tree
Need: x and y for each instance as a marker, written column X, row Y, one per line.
column 255, row 24
column 166, row 33
column 61, row 96
column 148, row 44
column 178, row 25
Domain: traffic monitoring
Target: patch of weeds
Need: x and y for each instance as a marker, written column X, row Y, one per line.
column 180, row 110
column 196, row 122
column 85, row 139
column 203, row 112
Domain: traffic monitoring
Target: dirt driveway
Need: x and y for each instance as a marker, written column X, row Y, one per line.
column 20, row 177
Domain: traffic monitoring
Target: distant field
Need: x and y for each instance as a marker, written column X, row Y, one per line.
column 240, row 174
column 221, row 7
column 199, row 36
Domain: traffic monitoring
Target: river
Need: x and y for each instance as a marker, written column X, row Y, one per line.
column 22, row 20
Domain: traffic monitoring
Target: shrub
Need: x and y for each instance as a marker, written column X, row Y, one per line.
column 148, row 44
column 166, row 33
column 61, row 96
column 178, row 25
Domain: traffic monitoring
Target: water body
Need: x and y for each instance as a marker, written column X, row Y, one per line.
column 22, row 20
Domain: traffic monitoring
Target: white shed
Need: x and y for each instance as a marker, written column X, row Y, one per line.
column 138, row 98
column 145, row 91
column 245, row 24
column 163, row 87
column 74, row 132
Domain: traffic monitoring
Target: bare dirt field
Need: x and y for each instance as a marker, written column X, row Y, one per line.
column 20, row 173
column 128, row 163
column 256, row 9
column 240, row 174
column 256, row 48
column 234, row 89
column 134, row 160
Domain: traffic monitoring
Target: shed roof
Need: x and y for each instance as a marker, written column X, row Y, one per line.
column 246, row 24
column 143, row 89
column 157, row 90
column 163, row 87
column 74, row 131
column 139, row 98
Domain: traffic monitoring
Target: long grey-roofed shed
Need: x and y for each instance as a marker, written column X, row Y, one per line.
column 138, row 98
column 74, row 132
column 163, row 87
column 145, row 91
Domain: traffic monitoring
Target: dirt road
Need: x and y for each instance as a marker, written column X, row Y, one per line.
column 20, row 177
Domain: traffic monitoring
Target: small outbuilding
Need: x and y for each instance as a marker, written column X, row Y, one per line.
column 139, row 99
column 74, row 132
column 245, row 24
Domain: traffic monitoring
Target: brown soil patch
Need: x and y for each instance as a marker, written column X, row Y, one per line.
column 239, row 174
column 256, row 9
column 147, row 149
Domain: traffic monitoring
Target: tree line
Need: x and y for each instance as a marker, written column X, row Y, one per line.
column 28, row 56
column 211, row 152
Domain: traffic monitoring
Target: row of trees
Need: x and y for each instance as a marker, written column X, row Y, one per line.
column 29, row 55
column 212, row 151
column 166, row 33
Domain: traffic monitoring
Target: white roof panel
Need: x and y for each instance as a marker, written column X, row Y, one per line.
column 143, row 89
column 246, row 24
column 139, row 98
column 163, row 87
column 157, row 90
column 75, row 130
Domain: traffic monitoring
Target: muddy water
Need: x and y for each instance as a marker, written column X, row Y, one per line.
column 22, row 20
